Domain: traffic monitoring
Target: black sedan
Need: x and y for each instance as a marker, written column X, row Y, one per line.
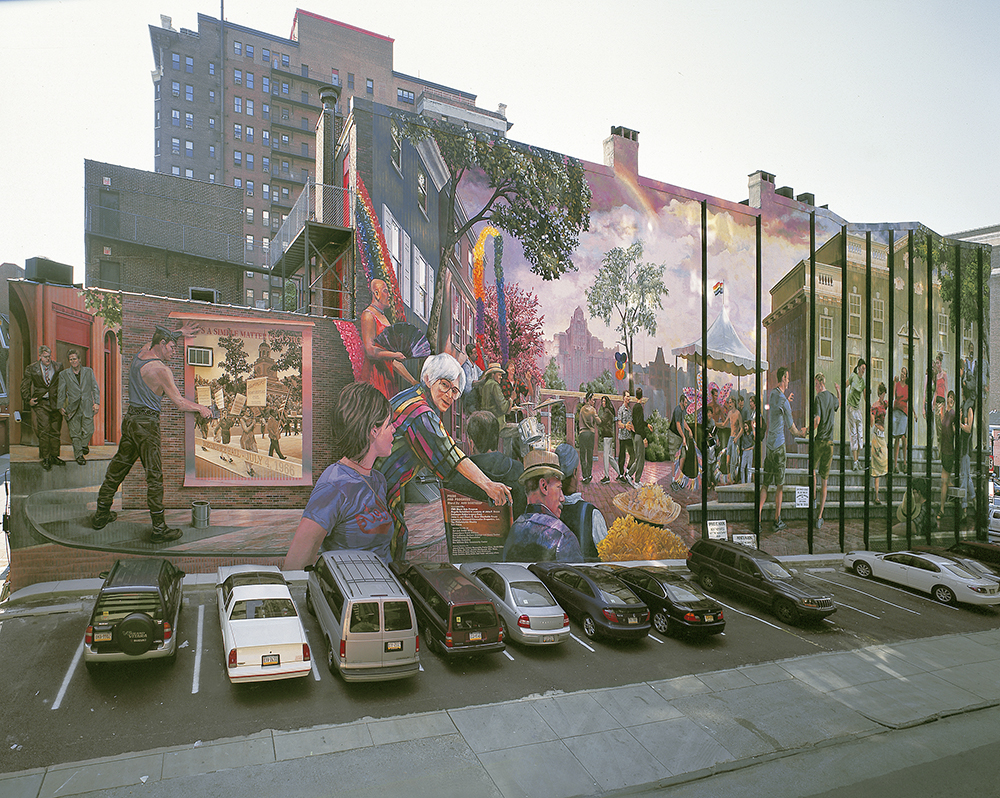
column 677, row 604
column 601, row 603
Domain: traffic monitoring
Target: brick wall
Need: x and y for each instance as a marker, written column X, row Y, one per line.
column 331, row 370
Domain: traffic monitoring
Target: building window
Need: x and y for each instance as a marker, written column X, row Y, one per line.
column 249, row 243
column 175, row 146
column 304, row 123
column 249, row 212
column 249, row 80
column 404, row 96
column 265, row 164
column 156, row 123
column 189, row 121
column 265, row 84
column 826, row 337
column 249, row 107
column 265, row 296
column 942, row 332
column 188, row 64
column 250, row 182
column 284, row 87
column 266, row 188
column 237, row 158
column 238, row 77
column 265, row 137
column 249, row 295
column 237, row 131
column 854, row 315
column 189, row 149
column 189, row 92
column 211, row 151
column 369, row 86
column 211, row 67
column 248, row 51
column 350, row 81
column 305, row 98
column 284, row 168
column 157, row 148
column 265, row 218
column 878, row 371
column 175, row 171
column 211, row 177
column 189, row 173
column 396, row 150
column 175, row 60
column 335, row 77
column 284, row 61
column 237, row 48
column 211, row 123
column 305, row 149
column 284, row 114
column 284, row 140
column 265, row 111
column 249, row 275
column 175, row 117
column 304, row 70
column 421, row 281
column 211, row 95
column 237, row 182
column 265, row 56
column 238, row 105
column 175, row 88
column 250, row 161
column 265, row 243
column 878, row 319
column 156, row 90
column 422, row 191
column 249, row 133
column 284, row 195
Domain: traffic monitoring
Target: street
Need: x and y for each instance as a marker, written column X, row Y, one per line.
column 57, row 712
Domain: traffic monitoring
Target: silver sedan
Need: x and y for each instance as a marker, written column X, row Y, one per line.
column 528, row 612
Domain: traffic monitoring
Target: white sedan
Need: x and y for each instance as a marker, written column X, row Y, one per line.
column 946, row 580
column 261, row 630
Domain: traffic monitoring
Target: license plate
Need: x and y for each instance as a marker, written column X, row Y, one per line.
column 102, row 637
column 395, row 645
column 475, row 637
column 270, row 659
column 709, row 618
column 633, row 619
column 548, row 638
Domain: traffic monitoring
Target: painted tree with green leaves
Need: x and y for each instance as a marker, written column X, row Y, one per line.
column 539, row 197
column 627, row 293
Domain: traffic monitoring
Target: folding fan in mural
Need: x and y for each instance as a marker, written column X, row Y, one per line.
column 405, row 338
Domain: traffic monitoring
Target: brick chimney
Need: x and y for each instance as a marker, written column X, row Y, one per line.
column 621, row 150
column 326, row 146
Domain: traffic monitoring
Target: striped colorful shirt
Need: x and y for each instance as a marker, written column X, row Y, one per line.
column 421, row 441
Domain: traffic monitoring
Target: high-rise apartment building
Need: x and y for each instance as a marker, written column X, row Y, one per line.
column 239, row 106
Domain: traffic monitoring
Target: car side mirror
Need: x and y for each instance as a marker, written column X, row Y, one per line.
column 793, row 571
column 310, row 567
column 757, row 575
column 103, row 574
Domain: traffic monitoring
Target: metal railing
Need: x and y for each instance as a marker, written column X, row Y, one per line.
column 320, row 203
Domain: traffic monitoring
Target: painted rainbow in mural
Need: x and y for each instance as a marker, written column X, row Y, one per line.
column 373, row 251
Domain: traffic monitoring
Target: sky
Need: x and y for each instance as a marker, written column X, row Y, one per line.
column 886, row 111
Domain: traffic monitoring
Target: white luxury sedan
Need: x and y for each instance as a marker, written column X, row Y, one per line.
column 946, row 580
column 261, row 629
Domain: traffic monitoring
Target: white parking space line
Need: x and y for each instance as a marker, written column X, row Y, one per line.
column 578, row 640
column 870, row 595
column 755, row 617
column 315, row 670
column 506, row 653
column 196, row 683
column 65, row 684
column 848, row 606
column 654, row 637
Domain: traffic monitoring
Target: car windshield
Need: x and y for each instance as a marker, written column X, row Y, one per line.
column 115, row 606
column 257, row 609
column 773, row 570
column 531, row 594
column 682, row 594
column 978, row 568
column 474, row 616
column 614, row 591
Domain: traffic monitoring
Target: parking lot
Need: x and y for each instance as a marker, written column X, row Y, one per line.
column 56, row 712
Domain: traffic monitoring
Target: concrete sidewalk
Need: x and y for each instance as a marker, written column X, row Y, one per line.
column 634, row 738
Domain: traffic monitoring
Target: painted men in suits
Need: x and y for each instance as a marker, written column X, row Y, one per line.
column 38, row 391
column 78, row 400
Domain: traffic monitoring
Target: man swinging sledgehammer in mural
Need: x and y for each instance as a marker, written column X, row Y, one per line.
column 150, row 379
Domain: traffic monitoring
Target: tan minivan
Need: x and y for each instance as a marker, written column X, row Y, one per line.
column 366, row 617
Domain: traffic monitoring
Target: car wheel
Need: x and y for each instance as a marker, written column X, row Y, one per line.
column 944, row 594
column 662, row 623
column 784, row 611
column 135, row 634
column 862, row 569
column 589, row 626
column 503, row 628
column 331, row 661
column 309, row 604
column 707, row 579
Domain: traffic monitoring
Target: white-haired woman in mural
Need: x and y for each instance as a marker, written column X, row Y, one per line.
column 421, row 440
column 348, row 508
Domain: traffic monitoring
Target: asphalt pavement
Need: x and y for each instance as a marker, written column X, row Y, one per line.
column 677, row 735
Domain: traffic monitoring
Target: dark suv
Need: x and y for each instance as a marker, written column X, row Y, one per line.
column 755, row 574
column 136, row 613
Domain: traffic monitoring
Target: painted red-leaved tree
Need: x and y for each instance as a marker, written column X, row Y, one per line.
column 524, row 323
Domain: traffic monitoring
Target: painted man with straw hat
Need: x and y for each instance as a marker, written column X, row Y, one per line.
column 491, row 396
column 538, row 534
